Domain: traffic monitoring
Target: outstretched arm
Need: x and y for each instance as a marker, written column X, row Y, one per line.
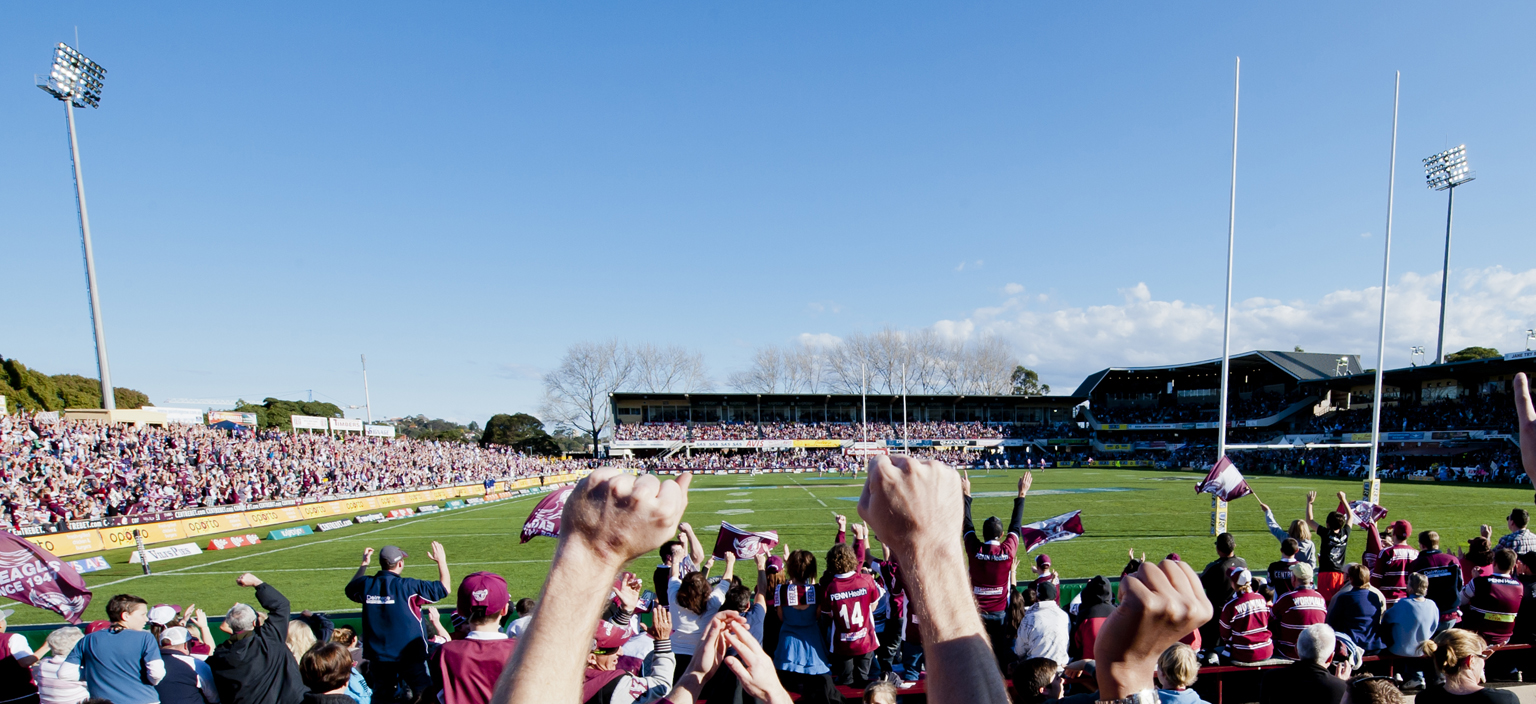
column 1016, row 521
column 695, row 548
column 965, row 490
column 914, row 505
column 1526, row 412
column 1311, row 522
column 609, row 519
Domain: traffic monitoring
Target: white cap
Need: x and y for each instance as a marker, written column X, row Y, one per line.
column 162, row 614
column 1242, row 576
column 176, row 635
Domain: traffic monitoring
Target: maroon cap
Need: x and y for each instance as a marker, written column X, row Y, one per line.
column 1402, row 527
column 1042, row 559
column 1173, row 556
column 486, row 589
column 609, row 636
column 775, row 564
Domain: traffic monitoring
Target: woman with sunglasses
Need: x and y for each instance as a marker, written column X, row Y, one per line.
column 1460, row 656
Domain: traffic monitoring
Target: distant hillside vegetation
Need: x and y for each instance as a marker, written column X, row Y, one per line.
column 24, row 388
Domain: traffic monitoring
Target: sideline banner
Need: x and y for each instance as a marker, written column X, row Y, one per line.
column 235, row 541
column 352, row 425
column 310, row 423
column 169, row 552
column 286, row 533
column 90, row 564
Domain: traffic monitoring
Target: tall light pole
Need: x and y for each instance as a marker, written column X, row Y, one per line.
column 1444, row 172
column 77, row 81
column 367, row 400
column 1386, row 267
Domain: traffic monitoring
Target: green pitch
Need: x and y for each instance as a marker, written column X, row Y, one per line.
column 1156, row 512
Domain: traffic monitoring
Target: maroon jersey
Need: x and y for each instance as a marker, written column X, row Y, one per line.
column 991, row 569
column 849, row 601
column 1292, row 614
column 1245, row 627
column 1390, row 573
column 1491, row 611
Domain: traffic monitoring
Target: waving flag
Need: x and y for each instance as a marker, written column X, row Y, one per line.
column 33, row 576
column 746, row 545
column 1224, row 481
column 545, row 519
column 1064, row 527
column 1363, row 512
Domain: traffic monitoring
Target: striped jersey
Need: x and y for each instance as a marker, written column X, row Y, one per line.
column 1245, row 627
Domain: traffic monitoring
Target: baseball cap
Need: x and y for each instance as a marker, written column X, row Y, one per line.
column 1042, row 559
column 609, row 636
column 1174, row 556
column 1302, row 572
column 1047, row 591
column 175, row 635
column 1241, row 575
column 775, row 564
column 391, row 555
column 6, row 613
column 486, row 589
column 1403, row 527
column 162, row 614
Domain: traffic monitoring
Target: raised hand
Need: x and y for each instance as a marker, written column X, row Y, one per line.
column 661, row 624
column 752, row 665
column 367, row 556
column 1025, row 482
column 912, row 503
column 858, row 531
column 1485, row 530
column 629, row 595
column 1159, row 605
column 842, row 523
column 762, row 561
column 1525, row 411
column 1264, row 507
column 965, row 482
column 436, row 554
column 247, row 580
column 619, row 516
column 1311, row 497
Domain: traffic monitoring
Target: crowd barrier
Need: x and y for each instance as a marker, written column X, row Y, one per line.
column 79, row 542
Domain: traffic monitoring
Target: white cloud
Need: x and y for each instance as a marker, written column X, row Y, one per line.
column 961, row 267
column 818, row 339
column 1490, row 307
column 1013, row 289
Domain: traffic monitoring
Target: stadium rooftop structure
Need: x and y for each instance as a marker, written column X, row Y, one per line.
column 1199, row 383
column 1433, row 382
column 633, row 407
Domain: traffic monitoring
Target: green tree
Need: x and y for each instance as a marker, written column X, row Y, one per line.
column 521, row 432
column 1027, row 383
column 277, row 413
column 1473, row 353
column 31, row 390
column 419, row 427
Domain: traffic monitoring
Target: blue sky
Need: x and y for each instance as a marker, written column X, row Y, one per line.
column 462, row 192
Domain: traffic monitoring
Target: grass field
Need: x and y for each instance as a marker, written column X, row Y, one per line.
column 1152, row 511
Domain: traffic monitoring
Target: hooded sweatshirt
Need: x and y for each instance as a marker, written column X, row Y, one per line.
column 1095, row 607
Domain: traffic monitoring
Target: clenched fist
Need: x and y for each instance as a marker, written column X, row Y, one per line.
column 618, row 516
column 912, row 503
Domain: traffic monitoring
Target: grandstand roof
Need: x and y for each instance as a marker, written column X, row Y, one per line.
column 1301, row 366
column 709, row 398
column 1466, row 371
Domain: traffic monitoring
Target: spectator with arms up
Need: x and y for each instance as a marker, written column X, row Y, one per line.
column 991, row 556
column 254, row 666
column 394, row 640
column 1332, row 544
column 122, row 662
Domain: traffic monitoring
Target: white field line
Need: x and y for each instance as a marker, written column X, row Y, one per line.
column 247, row 556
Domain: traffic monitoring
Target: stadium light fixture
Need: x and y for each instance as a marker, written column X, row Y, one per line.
column 1415, row 352
column 1529, row 335
column 1444, row 172
column 76, row 81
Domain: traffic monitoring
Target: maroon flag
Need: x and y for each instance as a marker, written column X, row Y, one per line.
column 1366, row 512
column 33, row 576
column 1224, row 482
column 746, row 545
column 1064, row 527
column 545, row 519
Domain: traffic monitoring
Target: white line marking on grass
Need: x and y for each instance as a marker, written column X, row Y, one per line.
column 283, row 549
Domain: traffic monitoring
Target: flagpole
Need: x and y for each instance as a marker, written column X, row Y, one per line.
column 1386, row 264
column 1226, row 325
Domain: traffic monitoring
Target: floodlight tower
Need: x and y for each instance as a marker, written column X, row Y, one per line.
column 1444, row 172
column 76, row 81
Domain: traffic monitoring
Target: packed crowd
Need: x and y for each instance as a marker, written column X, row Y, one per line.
column 1489, row 466
column 1259, row 405
column 66, row 470
column 812, row 459
column 931, row 430
column 1484, row 411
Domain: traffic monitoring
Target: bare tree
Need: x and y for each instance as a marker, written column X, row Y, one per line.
column 669, row 370
column 576, row 393
column 889, row 361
